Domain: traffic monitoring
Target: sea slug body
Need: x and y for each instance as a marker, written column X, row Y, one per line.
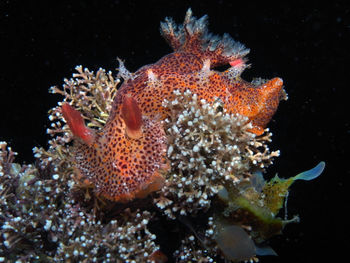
column 125, row 159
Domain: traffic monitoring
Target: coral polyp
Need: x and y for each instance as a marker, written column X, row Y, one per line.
column 176, row 147
column 208, row 148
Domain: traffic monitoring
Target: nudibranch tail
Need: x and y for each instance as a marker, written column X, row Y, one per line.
column 76, row 123
column 193, row 37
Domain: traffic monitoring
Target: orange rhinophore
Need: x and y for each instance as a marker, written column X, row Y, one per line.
column 125, row 158
column 132, row 117
column 76, row 123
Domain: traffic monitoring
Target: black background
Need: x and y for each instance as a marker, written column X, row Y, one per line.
column 305, row 43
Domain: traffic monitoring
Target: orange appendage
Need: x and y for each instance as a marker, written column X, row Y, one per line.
column 76, row 123
column 237, row 62
column 193, row 37
column 122, row 168
column 132, row 117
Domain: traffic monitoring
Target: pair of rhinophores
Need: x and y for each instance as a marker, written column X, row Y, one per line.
column 126, row 159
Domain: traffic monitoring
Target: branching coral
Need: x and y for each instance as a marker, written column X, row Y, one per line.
column 93, row 94
column 208, row 148
column 128, row 240
column 41, row 221
column 197, row 247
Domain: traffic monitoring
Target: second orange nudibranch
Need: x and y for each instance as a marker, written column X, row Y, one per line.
column 125, row 159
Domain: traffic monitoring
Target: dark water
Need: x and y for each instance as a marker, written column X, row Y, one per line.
column 305, row 44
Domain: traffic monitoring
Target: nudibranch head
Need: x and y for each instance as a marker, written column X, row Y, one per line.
column 125, row 159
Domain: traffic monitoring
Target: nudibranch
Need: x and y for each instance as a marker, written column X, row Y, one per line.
column 192, row 66
column 125, row 159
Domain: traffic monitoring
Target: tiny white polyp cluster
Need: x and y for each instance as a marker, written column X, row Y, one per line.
column 208, row 148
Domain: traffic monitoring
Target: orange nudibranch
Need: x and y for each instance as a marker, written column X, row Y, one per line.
column 121, row 165
column 192, row 66
column 125, row 159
